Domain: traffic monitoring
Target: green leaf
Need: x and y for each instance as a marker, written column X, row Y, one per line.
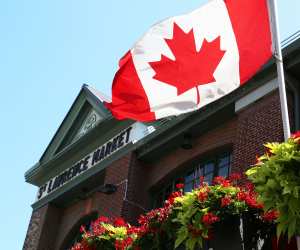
column 182, row 234
column 190, row 243
column 292, row 229
column 280, row 229
column 271, row 183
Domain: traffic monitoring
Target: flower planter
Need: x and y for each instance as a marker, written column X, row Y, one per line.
column 226, row 235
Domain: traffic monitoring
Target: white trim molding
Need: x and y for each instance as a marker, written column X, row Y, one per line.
column 256, row 95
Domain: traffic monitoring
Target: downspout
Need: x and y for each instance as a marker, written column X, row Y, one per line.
column 294, row 85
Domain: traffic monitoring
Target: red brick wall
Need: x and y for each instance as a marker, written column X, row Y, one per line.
column 256, row 125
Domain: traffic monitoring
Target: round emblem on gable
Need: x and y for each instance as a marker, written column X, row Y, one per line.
column 90, row 122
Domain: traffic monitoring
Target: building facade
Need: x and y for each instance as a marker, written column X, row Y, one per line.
column 96, row 165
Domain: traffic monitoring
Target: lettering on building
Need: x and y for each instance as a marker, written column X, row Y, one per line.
column 86, row 163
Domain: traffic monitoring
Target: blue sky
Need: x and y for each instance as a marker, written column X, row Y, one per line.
column 48, row 49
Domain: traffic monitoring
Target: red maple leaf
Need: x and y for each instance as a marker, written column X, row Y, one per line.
column 190, row 67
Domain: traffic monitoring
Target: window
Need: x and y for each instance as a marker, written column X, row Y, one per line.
column 219, row 165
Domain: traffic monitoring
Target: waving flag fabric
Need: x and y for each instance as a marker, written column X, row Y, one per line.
column 186, row 62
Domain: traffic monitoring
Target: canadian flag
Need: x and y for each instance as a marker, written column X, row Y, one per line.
column 188, row 61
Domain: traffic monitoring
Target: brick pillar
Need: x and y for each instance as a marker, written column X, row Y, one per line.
column 34, row 229
column 41, row 231
column 103, row 204
column 137, row 197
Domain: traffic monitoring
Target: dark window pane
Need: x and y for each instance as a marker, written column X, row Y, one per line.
column 188, row 187
column 208, row 178
column 223, row 171
column 189, row 177
column 208, row 168
column 197, row 182
column 200, row 172
column 224, row 161
column 168, row 191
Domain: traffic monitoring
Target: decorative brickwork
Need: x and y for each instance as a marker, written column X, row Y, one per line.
column 34, row 230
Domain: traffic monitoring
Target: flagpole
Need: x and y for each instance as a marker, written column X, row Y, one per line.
column 280, row 72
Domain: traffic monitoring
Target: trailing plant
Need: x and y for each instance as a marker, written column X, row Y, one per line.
column 276, row 177
column 184, row 220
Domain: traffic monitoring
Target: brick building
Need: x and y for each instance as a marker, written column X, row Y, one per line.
column 96, row 165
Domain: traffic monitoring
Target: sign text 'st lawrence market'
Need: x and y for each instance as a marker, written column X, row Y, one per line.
column 86, row 163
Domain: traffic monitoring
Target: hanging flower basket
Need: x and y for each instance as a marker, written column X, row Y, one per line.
column 186, row 221
column 276, row 177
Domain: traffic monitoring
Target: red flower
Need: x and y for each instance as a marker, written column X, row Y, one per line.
column 249, row 198
column 103, row 219
column 133, row 230
column 171, row 199
column 268, row 152
column 82, row 229
column 176, row 194
column 123, row 244
column 296, row 136
column 194, row 231
column 119, row 222
column 202, row 180
column 225, row 201
column 257, row 160
column 156, row 215
column 235, row 176
column 221, row 181
column 252, row 202
column 98, row 229
column 210, row 218
column 128, row 241
column 179, row 185
column 202, row 196
column 119, row 245
column 77, row 246
column 270, row 215
column 241, row 196
column 249, row 186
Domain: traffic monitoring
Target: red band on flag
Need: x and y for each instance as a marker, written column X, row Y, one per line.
column 128, row 96
column 250, row 21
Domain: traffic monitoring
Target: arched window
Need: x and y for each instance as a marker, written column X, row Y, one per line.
column 74, row 235
column 209, row 167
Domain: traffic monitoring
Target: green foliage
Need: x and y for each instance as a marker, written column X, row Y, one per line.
column 185, row 220
column 190, row 211
column 276, row 177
